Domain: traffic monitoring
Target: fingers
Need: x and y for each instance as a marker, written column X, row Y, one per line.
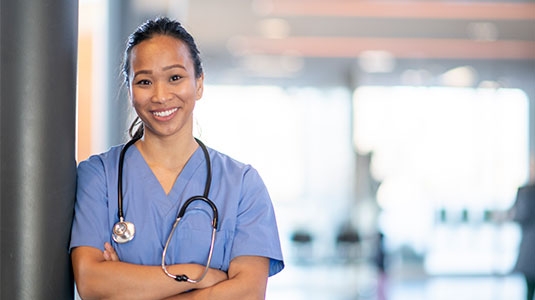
column 214, row 277
column 109, row 253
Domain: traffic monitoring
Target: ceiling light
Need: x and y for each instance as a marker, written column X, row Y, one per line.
column 376, row 61
column 274, row 28
column 464, row 76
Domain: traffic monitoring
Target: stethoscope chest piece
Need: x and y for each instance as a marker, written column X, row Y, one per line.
column 123, row 232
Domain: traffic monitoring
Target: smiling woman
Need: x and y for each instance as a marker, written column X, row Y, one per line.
column 156, row 180
column 163, row 86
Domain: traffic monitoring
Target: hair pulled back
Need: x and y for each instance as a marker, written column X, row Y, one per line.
column 149, row 29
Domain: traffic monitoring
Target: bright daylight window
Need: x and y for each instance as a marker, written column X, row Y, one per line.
column 299, row 139
column 445, row 157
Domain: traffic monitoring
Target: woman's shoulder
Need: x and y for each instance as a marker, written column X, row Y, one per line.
column 234, row 169
column 226, row 161
column 103, row 159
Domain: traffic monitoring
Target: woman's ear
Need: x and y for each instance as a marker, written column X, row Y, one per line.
column 199, row 82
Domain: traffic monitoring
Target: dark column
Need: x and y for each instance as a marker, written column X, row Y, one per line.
column 119, row 17
column 37, row 146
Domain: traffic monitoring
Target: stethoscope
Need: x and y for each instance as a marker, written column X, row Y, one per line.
column 124, row 231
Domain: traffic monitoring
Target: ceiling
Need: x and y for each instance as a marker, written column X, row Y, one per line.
column 353, row 42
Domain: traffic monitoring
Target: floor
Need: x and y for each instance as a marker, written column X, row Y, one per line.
column 342, row 282
column 361, row 282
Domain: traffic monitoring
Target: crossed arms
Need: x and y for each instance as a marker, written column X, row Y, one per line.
column 101, row 275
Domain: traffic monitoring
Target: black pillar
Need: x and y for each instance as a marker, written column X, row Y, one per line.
column 37, row 146
column 119, row 17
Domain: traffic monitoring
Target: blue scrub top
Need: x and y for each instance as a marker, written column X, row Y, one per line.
column 247, row 224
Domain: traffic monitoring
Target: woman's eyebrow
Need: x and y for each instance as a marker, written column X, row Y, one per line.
column 173, row 66
column 148, row 72
column 142, row 72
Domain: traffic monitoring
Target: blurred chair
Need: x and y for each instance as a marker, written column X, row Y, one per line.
column 348, row 244
column 302, row 244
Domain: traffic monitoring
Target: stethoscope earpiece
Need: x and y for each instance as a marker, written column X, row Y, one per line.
column 123, row 232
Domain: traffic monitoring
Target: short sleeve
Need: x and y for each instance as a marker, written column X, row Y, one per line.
column 256, row 228
column 90, row 224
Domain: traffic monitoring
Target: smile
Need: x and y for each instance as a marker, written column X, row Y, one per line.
column 165, row 113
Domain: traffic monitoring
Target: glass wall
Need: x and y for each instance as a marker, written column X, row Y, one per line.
column 380, row 192
column 446, row 158
column 300, row 141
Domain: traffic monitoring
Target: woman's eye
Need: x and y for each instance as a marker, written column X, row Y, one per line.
column 174, row 78
column 143, row 82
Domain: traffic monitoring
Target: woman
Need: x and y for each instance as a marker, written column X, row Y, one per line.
column 163, row 168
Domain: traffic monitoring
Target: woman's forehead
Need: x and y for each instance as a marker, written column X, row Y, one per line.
column 160, row 49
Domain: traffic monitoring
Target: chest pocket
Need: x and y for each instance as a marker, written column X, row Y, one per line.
column 193, row 236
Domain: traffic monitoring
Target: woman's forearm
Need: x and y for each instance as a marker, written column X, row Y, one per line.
column 101, row 279
column 247, row 281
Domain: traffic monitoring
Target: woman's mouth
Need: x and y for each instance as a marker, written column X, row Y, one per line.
column 165, row 113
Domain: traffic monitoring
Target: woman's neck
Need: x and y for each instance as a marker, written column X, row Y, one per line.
column 168, row 152
column 166, row 157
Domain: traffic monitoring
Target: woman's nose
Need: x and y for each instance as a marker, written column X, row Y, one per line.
column 161, row 93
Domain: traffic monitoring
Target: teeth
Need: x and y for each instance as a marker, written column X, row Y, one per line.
column 164, row 113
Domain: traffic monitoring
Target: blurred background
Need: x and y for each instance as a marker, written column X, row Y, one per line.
column 388, row 132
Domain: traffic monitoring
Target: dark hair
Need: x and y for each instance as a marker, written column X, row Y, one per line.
column 148, row 30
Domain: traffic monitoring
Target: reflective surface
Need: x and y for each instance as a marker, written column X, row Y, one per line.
column 332, row 282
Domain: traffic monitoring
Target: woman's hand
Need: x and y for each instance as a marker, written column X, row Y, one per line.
column 213, row 276
column 101, row 275
column 248, row 277
column 109, row 253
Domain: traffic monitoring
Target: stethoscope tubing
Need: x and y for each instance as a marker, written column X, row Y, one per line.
column 180, row 215
column 120, row 211
column 182, row 211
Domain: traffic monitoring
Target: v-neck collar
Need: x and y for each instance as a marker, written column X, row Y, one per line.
column 181, row 182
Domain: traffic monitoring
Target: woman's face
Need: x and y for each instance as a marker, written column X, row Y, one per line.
column 162, row 86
